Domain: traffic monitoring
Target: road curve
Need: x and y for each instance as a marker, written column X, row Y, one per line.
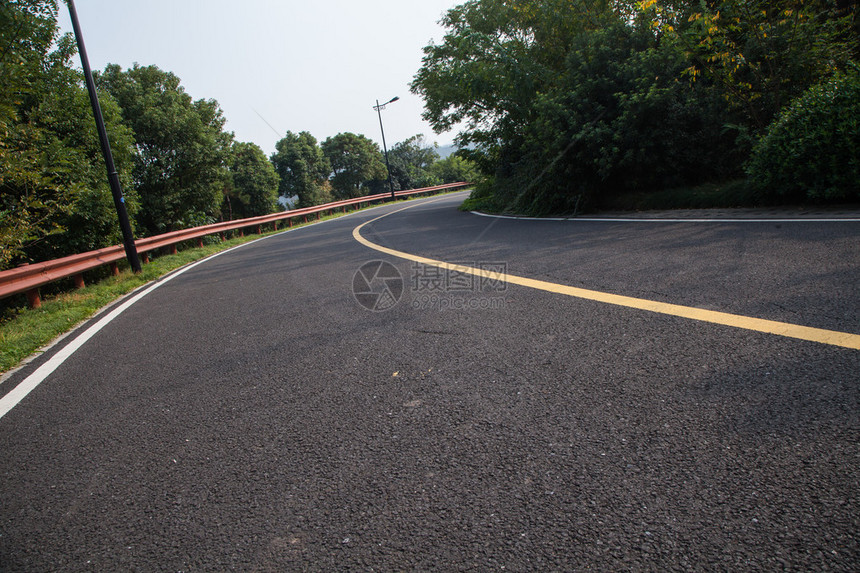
column 494, row 273
column 251, row 414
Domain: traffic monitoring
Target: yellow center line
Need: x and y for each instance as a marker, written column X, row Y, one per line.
column 831, row 337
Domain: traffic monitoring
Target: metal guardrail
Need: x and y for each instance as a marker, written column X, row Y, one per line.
column 28, row 278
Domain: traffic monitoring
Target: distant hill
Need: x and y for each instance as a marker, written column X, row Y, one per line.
column 446, row 150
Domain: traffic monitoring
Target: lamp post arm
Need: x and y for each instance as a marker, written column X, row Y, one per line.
column 384, row 147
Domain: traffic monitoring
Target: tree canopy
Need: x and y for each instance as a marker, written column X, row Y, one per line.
column 569, row 102
column 356, row 163
column 54, row 196
column 496, row 56
column 454, row 169
column 759, row 53
column 253, row 186
column 180, row 169
column 411, row 161
column 303, row 169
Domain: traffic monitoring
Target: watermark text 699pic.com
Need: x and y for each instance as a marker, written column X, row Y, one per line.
column 436, row 288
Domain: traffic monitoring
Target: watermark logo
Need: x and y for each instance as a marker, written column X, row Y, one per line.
column 377, row 286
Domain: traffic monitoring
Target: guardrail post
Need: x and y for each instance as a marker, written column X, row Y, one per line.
column 259, row 229
column 319, row 215
column 306, row 218
column 79, row 280
column 222, row 237
column 199, row 242
column 114, row 268
column 33, row 298
column 289, row 222
column 241, row 232
column 171, row 250
column 275, row 225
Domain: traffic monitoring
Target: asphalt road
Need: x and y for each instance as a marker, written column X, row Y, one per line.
column 251, row 415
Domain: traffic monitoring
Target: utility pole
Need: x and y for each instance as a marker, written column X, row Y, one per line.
column 113, row 178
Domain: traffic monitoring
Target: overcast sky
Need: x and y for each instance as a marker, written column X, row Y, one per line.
column 274, row 66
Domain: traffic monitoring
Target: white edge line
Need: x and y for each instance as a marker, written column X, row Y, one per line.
column 657, row 220
column 19, row 392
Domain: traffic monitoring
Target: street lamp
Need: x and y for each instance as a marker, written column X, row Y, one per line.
column 379, row 109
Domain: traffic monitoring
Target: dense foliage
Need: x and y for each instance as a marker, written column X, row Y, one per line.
column 357, row 165
column 303, row 169
column 411, row 161
column 180, row 168
column 569, row 103
column 454, row 169
column 812, row 151
column 54, row 196
column 253, row 186
column 175, row 162
column 349, row 165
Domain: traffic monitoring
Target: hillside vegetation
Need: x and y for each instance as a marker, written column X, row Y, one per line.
column 568, row 105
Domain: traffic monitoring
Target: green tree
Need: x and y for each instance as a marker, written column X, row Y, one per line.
column 620, row 121
column 356, row 163
column 570, row 100
column 253, row 187
column 410, row 163
column 30, row 198
column 495, row 61
column 54, row 195
column 180, row 170
column 91, row 222
column 761, row 53
column 454, row 169
column 303, row 169
column 495, row 57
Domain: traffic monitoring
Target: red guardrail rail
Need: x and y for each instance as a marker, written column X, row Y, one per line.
column 28, row 278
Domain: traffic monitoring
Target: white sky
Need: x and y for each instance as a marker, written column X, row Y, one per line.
column 313, row 65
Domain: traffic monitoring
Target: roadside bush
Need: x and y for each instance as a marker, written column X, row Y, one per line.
column 812, row 150
column 482, row 198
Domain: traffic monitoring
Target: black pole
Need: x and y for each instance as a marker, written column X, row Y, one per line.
column 113, row 178
column 384, row 148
